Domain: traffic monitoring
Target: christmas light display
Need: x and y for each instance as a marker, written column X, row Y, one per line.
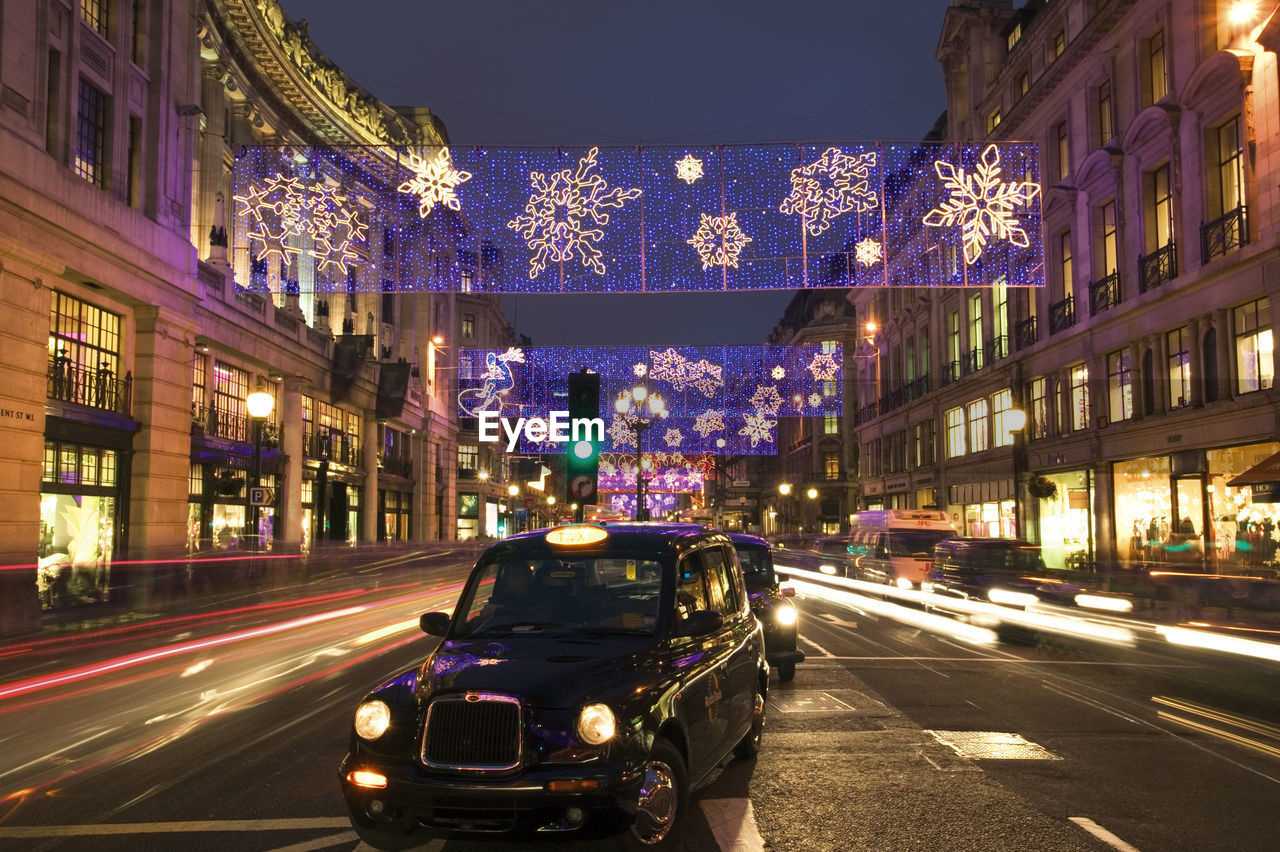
column 766, row 399
column 709, row 421
column 434, row 181
column 689, row 168
column 719, row 240
column 658, row 504
column 557, row 211
column 497, row 382
column 665, row 472
column 757, row 428
column 824, row 367
column 835, row 184
column 673, row 437
column 778, row 373
column 628, row 219
column 983, row 204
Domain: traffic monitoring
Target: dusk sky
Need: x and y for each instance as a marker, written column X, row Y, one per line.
column 575, row 72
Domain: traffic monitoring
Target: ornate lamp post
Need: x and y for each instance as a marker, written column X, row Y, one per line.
column 638, row 409
column 260, row 404
column 812, row 494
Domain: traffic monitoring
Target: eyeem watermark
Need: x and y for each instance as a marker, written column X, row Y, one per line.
column 560, row 429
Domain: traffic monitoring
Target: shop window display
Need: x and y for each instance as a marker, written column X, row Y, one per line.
column 76, row 539
column 1065, row 539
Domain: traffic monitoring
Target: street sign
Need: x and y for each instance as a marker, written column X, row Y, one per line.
column 259, row 496
column 529, row 502
column 582, row 487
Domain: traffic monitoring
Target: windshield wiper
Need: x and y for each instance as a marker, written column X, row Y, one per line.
column 510, row 627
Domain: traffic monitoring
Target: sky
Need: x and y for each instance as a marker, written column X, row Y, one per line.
column 610, row 72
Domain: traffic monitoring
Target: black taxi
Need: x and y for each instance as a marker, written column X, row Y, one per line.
column 769, row 601
column 589, row 677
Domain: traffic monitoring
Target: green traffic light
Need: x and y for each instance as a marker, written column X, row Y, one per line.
column 584, row 450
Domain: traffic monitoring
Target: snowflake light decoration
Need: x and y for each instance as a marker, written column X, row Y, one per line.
column 834, row 184
column 982, row 204
column 766, row 399
column 814, row 400
column 757, row 428
column 555, row 219
column 672, row 367
column 709, row 421
column 621, row 434
column 689, row 168
column 778, row 374
column 673, row 437
column 434, row 181
column 823, row 367
column 284, row 210
column 640, row 370
column 868, row 252
column 718, row 240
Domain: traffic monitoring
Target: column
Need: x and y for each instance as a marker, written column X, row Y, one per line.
column 369, row 461
column 1226, row 348
column 1197, row 364
column 291, row 425
column 1099, row 400
column 1159, row 370
column 1105, row 546
column 1135, row 378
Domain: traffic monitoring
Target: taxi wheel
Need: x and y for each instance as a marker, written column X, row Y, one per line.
column 749, row 746
column 664, row 797
column 786, row 672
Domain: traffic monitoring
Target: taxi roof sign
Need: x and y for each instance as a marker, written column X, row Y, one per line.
column 577, row 534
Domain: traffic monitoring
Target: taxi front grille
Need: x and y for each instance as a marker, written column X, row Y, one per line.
column 479, row 731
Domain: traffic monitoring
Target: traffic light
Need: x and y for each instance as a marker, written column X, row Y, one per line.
column 582, row 456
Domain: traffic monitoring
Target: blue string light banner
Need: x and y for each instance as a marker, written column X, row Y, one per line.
column 637, row 219
column 714, row 399
column 673, row 473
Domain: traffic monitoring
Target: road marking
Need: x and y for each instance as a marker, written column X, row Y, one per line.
column 992, row 745
column 319, row 843
column 980, row 659
column 173, row 827
column 1102, row 834
column 821, row 650
column 851, row 625
column 733, row 824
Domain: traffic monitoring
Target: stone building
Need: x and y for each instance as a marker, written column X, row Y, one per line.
column 1146, row 366
column 138, row 321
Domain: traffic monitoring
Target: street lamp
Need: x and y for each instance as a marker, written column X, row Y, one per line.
column 870, row 337
column 1015, row 420
column 259, row 404
column 784, row 489
column 638, row 410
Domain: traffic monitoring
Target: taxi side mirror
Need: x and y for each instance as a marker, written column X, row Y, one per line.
column 434, row 623
column 788, row 591
column 701, row 622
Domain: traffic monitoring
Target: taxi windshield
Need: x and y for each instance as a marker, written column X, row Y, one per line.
column 757, row 564
column 596, row 595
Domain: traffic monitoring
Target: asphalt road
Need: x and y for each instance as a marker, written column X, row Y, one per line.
column 224, row 731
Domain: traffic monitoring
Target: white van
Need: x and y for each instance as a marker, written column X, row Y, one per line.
column 895, row 546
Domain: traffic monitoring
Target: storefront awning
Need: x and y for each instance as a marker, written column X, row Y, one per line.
column 1267, row 470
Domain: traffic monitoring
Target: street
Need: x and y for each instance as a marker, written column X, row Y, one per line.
column 225, row 732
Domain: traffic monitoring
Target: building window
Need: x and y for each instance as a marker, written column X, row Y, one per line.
column 1157, row 73
column 1064, row 151
column 1159, row 209
column 1079, row 397
column 953, row 341
column 830, row 424
column 133, row 177
column 1014, row 35
column 1058, row 45
column 830, row 346
column 1230, row 178
column 831, row 465
column 388, row 302
column 1024, row 84
column 468, row 326
column 955, row 432
column 922, row 441
column 199, row 379
column 977, row 417
column 1065, row 270
column 1106, row 123
column 993, row 121
column 468, row 457
column 1120, row 385
column 91, row 135
column 1039, row 395
column 139, row 32
column 923, row 355
column 1178, row 342
column 975, row 331
column 829, row 387
column 94, row 13
column 1001, row 404
column 230, row 387
column 1255, row 362
column 1109, row 254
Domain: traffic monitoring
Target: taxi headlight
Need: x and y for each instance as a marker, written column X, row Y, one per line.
column 596, row 724
column 1012, row 598
column 372, row 719
column 786, row 614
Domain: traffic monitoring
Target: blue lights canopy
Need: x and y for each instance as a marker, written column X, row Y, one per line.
column 637, row 219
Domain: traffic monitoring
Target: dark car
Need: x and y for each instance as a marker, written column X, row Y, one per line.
column 769, row 603
column 1000, row 570
column 589, row 678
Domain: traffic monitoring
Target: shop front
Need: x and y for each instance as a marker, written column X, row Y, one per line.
column 1064, row 510
column 984, row 509
column 1181, row 511
column 394, row 512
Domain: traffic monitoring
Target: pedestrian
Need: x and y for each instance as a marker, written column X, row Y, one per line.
column 60, row 385
column 105, row 386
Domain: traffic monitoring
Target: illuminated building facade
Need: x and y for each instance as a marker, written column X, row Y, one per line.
column 1146, row 365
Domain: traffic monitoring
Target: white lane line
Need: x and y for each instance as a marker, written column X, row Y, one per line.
column 1102, row 834
column 319, row 843
column 173, row 827
column 821, row 650
column 733, row 824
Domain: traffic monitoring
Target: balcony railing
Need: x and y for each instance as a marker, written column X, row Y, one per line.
column 893, row 399
column 973, row 361
column 1225, row 234
column 1025, row 333
column 1158, row 267
column 1104, row 294
column 399, row 466
column 950, row 372
column 220, row 424
column 84, row 385
column 997, row 348
column 918, row 388
column 334, row 447
column 866, row 414
column 1062, row 315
